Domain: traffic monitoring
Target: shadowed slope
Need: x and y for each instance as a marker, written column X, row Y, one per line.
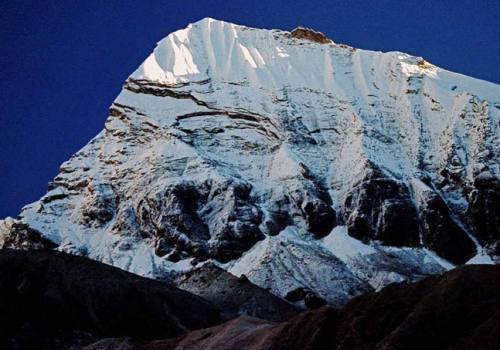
column 49, row 300
column 459, row 310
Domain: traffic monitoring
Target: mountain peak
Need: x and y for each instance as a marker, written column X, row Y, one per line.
column 210, row 20
column 307, row 166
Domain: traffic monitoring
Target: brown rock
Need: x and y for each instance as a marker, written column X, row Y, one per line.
column 310, row 34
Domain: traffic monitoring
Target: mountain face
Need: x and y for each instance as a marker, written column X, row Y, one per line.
column 303, row 164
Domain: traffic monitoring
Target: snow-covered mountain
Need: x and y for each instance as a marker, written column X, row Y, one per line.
column 286, row 157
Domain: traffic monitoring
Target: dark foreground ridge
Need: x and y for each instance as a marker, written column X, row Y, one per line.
column 51, row 300
column 459, row 310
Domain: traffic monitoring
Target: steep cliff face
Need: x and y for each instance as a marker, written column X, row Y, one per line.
column 286, row 157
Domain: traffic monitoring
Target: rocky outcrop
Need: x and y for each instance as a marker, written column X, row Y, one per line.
column 235, row 296
column 309, row 34
column 441, row 233
column 381, row 208
column 385, row 209
column 100, row 204
column 484, row 209
column 204, row 220
column 16, row 235
column 308, row 205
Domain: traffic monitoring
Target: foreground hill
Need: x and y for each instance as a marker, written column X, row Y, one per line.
column 51, row 300
column 459, row 310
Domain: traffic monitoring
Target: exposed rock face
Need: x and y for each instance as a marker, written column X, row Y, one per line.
column 51, row 300
column 381, row 208
column 309, row 34
column 235, row 296
column 441, row 233
column 16, row 235
column 99, row 206
column 484, row 208
column 460, row 310
column 243, row 146
column 207, row 220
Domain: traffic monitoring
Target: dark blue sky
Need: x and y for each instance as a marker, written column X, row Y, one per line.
column 63, row 62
